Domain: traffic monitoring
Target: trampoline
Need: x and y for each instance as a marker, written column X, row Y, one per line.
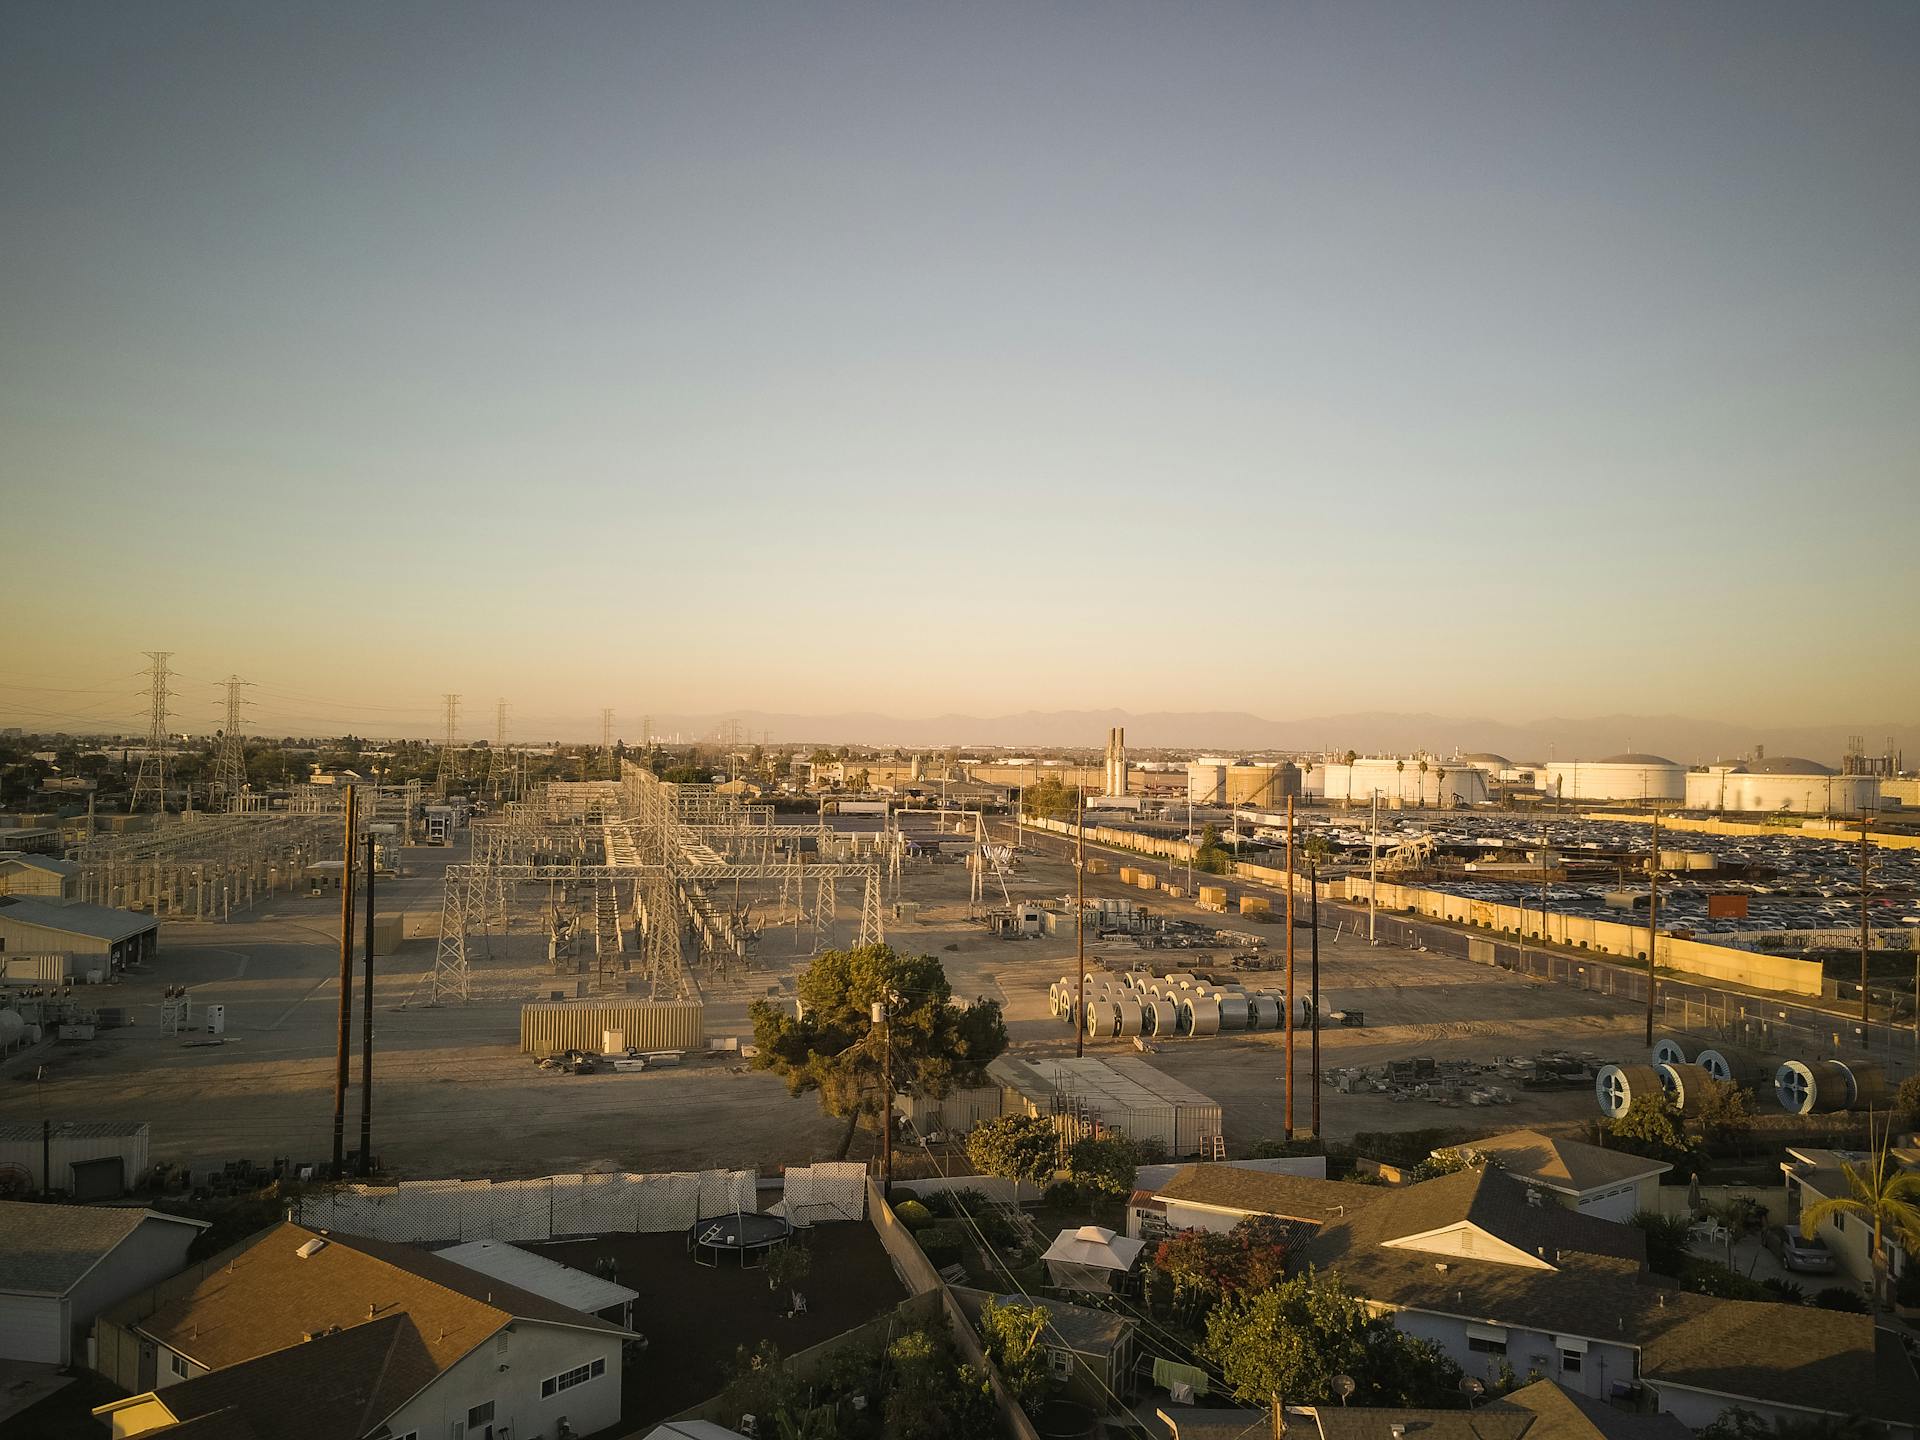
column 742, row 1236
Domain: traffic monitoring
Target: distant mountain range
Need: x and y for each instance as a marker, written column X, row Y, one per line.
column 1678, row 737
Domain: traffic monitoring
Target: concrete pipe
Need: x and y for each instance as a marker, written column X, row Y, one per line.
column 1199, row 1016
column 1263, row 1012
column 1616, row 1087
column 1813, row 1087
column 1128, row 1016
column 1234, row 1011
column 1668, row 1051
column 1739, row 1067
column 1687, row 1086
column 1159, row 1017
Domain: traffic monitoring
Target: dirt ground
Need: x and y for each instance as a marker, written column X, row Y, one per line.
column 454, row 1096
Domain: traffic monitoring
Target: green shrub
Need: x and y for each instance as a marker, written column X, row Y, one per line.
column 913, row 1215
column 1838, row 1297
column 943, row 1243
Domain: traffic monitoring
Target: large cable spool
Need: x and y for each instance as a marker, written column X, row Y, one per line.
column 1233, row 1011
column 1616, row 1087
column 1159, row 1017
column 1813, row 1087
column 1180, row 977
column 1264, row 1012
column 1736, row 1066
column 1687, row 1086
column 1053, row 999
column 1869, row 1083
column 1127, row 1015
column 1668, row 1051
column 1199, row 1015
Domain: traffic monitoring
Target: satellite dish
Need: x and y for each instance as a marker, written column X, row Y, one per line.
column 1343, row 1387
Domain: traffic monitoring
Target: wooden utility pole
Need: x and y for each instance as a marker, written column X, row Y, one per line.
column 366, row 1030
column 1866, row 934
column 346, row 995
column 1292, row 1001
column 883, row 1018
column 1653, row 923
column 1313, row 913
column 1080, row 919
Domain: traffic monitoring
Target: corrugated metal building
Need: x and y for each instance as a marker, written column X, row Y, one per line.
column 551, row 1029
column 39, row 875
column 112, row 939
column 1122, row 1094
column 92, row 1160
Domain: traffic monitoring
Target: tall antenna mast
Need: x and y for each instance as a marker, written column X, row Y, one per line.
column 150, row 784
column 606, row 739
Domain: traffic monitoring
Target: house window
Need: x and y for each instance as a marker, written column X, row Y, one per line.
column 1486, row 1345
column 177, row 1366
column 1060, row 1362
column 567, row 1379
column 1570, row 1362
column 480, row 1415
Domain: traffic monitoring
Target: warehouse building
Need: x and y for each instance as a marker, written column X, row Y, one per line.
column 97, row 937
column 88, row 1159
column 38, row 875
column 1088, row 1096
column 1630, row 777
column 1784, row 784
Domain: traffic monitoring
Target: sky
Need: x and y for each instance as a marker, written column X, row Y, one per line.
column 1495, row 359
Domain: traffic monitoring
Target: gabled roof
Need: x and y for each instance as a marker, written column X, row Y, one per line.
column 1571, row 1166
column 39, row 862
column 1258, row 1192
column 1499, row 1204
column 1561, row 1415
column 563, row 1284
column 48, row 1249
column 73, row 917
column 1540, row 1411
column 346, row 1383
column 262, row 1296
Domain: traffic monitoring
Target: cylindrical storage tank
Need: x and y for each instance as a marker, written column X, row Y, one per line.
column 1263, row 1012
column 1616, row 1087
column 1739, row 1067
column 12, row 1027
column 1127, row 1017
column 1868, row 1083
column 1687, row 1086
column 1199, row 1016
column 1668, row 1051
column 1233, row 1011
column 1813, row 1087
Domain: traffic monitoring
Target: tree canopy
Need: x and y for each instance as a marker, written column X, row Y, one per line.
column 1010, row 1334
column 1049, row 799
column 834, row 1047
column 1291, row 1340
column 1651, row 1127
column 1015, row 1147
column 1105, row 1164
column 1207, row 1266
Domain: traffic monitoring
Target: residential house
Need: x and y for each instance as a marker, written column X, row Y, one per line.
column 1610, row 1184
column 61, row 1265
column 1813, row 1174
column 1540, row 1411
column 1498, row 1277
column 1219, row 1196
column 415, row 1346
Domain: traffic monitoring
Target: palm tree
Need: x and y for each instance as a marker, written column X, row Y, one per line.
column 1423, row 781
column 1883, row 1195
column 1399, row 779
column 1440, row 788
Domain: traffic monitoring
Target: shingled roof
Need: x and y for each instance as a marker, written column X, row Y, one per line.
column 263, row 1297
column 48, row 1249
column 1540, row 1411
column 1260, row 1192
column 1571, row 1166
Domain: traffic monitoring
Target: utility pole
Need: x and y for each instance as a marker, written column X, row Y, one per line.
column 1080, row 918
column 1313, row 879
column 366, row 1030
column 1653, row 923
column 1373, row 870
column 1866, row 934
column 346, row 994
column 1292, row 1001
column 151, row 781
column 883, row 1017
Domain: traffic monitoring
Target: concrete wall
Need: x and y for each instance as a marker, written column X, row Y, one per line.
column 1808, row 829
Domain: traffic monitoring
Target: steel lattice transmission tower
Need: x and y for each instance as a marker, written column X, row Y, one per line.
column 606, row 740
column 230, row 755
column 449, row 762
column 500, row 771
column 151, row 781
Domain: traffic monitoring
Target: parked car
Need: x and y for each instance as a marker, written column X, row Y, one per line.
column 1795, row 1252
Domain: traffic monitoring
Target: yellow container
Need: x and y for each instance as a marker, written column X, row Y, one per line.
column 648, row 1025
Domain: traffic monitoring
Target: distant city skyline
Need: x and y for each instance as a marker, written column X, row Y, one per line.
column 1487, row 359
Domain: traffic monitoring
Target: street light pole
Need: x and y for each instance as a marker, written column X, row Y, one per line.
column 1653, row 923
column 1292, row 1000
column 1080, row 920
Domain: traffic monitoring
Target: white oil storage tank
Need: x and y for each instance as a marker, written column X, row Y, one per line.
column 1629, row 777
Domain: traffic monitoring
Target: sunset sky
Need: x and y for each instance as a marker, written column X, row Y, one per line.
column 1499, row 359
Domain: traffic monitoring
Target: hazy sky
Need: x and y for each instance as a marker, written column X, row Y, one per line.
column 1506, row 359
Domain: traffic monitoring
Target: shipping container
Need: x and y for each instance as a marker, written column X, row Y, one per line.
column 549, row 1029
column 37, row 969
